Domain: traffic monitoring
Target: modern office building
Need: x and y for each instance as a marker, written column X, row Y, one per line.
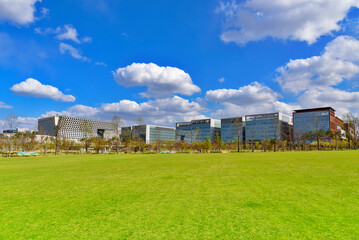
column 261, row 127
column 198, row 130
column 149, row 133
column 232, row 128
column 184, row 132
column 75, row 128
column 310, row 120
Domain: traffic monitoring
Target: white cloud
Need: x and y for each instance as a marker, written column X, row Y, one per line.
column 342, row 101
column 74, row 52
column 232, row 110
column 165, row 111
column 18, row 11
column 251, row 99
column 66, row 32
column 22, row 122
column 33, row 88
column 302, row 20
column 221, row 80
column 4, row 105
column 338, row 62
column 247, row 95
column 161, row 81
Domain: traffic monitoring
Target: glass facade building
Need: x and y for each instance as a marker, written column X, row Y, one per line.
column 198, row 130
column 149, row 133
column 267, row 126
column 310, row 120
column 232, row 128
column 184, row 132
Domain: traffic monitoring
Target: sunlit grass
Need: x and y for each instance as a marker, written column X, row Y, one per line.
column 292, row 195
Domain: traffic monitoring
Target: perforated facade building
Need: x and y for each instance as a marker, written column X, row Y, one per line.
column 76, row 128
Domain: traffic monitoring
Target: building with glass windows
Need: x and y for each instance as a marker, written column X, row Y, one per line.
column 198, row 130
column 184, row 132
column 149, row 133
column 75, row 128
column 233, row 128
column 311, row 120
column 261, row 127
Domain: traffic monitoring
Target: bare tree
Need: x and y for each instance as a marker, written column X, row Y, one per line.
column 116, row 123
column 11, row 121
column 317, row 132
column 351, row 127
column 87, row 133
column 59, row 125
column 275, row 122
column 237, row 125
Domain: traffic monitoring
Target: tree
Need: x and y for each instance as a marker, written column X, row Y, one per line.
column 99, row 144
column 218, row 143
column 141, row 142
column 351, row 127
column 317, row 133
column 116, row 123
column 206, row 144
column 11, row 121
column 87, row 133
column 59, row 125
column 43, row 139
column 237, row 124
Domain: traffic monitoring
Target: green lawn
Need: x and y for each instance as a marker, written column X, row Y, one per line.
column 292, row 195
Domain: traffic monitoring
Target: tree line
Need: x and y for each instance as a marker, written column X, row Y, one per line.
column 316, row 139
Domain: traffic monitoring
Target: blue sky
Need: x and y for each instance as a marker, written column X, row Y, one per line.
column 169, row 61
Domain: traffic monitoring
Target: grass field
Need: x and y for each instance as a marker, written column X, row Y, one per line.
column 292, row 195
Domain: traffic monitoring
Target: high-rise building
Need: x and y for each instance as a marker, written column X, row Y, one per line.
column 311, row 120
column 198, row 130
column 75, row 128
column 261, row 127
column 149, row 133
column 232, row 128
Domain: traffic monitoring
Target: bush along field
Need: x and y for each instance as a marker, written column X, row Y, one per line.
column 282, row 195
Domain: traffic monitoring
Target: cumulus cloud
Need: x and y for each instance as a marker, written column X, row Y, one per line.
column 338, row 62
column 66, row 32
column 342, row 101
column 74, row 52
column 251, row 99
column 160, row 81
column 24, row 122
column 33, row 88
column 254, row 93
column 302, row 20
column 164, row 111
column 232, row 110
column 18, row 11
column 4, row 105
